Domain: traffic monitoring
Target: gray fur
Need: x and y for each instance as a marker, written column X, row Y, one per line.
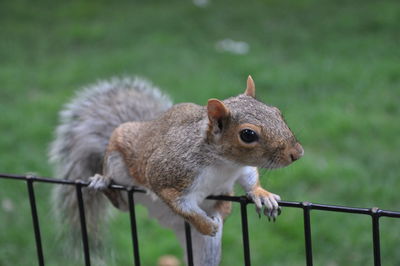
column 86, row 124
column 183, row 155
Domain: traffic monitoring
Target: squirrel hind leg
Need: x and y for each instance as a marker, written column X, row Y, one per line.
column 102, row 183
column 206, row 248
column 117, row 199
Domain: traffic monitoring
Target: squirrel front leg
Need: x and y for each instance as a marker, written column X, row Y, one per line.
column 261, row 197
column 189, row 209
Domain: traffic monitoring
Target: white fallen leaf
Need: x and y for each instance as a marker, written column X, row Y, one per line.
column 201, row 3
column 7, row 205
column 235, row 47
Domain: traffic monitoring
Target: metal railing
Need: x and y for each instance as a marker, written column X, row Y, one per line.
column 374, row 213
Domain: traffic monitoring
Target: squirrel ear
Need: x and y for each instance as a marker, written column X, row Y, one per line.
column 216, row 110
column 251, row 88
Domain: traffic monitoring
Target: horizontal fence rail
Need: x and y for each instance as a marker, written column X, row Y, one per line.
column 374, row 213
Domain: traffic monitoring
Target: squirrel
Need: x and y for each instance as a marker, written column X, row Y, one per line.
column 126, row 132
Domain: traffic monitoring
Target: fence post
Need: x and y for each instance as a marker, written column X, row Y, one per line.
column 376, row 235
column 35, row 219
column 132, row 214
column 245, row 231
column 189, row 250
column 307, row 232
column 85, row 241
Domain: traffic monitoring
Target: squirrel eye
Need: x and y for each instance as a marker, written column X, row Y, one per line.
column 248, row 135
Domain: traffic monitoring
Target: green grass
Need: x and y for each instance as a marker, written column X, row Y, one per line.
column 332, row 67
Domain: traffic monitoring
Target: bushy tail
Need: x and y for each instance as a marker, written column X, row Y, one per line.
column 82, row 136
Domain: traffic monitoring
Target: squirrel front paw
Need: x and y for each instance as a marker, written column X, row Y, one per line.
column 262, row 197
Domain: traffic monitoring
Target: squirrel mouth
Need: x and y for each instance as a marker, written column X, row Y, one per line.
column 284, row 157
column 272, row 163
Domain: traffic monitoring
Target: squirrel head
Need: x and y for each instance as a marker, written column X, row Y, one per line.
column 249, row 132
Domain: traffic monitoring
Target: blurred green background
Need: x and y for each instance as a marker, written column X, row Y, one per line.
column 332, row 67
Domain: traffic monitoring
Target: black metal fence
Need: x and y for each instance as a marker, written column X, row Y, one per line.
column 374, row 213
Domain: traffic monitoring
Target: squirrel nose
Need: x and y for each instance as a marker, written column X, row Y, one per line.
column 297, row 152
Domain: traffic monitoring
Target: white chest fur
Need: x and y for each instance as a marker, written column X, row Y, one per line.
column 218, row 179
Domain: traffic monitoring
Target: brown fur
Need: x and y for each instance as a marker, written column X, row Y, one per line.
column 223, row 207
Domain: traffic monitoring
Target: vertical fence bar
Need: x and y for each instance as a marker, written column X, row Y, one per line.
column 35, row 220
column 307, row 232
column 375, row 236
column 189, row 250
column 245, row 231
column 132, row 214
column 81, row 207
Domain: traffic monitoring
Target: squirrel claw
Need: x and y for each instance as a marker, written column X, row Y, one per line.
column 258, row 211
column 271, row 214
column 99, row 182
column 267, row 200
column 215, row 225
